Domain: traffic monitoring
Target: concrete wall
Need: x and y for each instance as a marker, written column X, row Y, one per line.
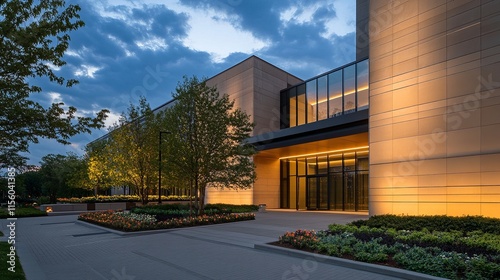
column 435, row 107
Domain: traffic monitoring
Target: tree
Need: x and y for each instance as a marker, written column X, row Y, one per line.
column 31, row 182
column 208, row 145
column 33, row 39
column 133, row 149
column 98, row 173
column 58, row 173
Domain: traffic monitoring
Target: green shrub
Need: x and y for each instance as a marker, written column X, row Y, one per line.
column 21, row 212
column 231, row 208
column 433, row 223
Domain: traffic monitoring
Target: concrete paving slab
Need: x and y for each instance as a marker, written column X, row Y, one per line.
column 55, row 247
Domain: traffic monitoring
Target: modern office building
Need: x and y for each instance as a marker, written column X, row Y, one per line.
column 412, row 126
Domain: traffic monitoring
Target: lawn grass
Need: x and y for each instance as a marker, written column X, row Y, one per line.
column 18, row 274
column 21, row 212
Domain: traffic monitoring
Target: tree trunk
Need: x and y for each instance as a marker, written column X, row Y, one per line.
column 202, row 200
column 191, row 197
column 196, row 196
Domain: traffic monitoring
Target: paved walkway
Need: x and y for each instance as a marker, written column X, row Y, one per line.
column 55, row 247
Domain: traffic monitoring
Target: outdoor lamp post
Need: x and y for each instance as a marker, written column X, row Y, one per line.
column 159, row 165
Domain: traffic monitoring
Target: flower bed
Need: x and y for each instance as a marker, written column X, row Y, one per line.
column 473, row 253
column 136, row 222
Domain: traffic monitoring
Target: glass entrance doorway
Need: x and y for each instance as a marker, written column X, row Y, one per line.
column 333, row 181
column 317, row 193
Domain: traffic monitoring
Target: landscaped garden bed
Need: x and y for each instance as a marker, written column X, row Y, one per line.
column 450, row 247
column 21, row 212
column 120, row 198
column 168, row 216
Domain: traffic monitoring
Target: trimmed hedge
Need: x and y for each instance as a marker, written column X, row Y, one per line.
column 21, row 212
column 120, row 198
column 433, row 223
column 184, row 208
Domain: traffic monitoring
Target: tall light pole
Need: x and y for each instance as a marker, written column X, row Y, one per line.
column 159, row 165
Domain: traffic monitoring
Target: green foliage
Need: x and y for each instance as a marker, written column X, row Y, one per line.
column 453, row 253
column 206, row 146
column 183, row 209
column 22, row 212
column 118, row 198
column 34, row 39
column 31, row 182
column 231, row 208
column 434, row 223
column 60, row 176
column 4, row 273
column 132, row 150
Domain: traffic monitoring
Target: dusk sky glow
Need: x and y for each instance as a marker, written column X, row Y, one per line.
column 133, row 48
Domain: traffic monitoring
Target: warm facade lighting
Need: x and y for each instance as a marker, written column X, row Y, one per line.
column 338, row 96
column 328, row 152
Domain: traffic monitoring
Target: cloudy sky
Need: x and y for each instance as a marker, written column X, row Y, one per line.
column 130, row 48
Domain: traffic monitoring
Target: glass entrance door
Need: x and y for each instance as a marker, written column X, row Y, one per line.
column 317, row 193
column 312, row 193
column 301, row 193
column 349, row 191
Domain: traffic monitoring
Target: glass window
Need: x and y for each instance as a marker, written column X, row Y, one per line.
column 362, row 85
column 349, row 161
column 335, row 162
column 301, row 104
column 292, row 93
column 311, row 100
column 322, row 165
column 322, row 98
column 293, row 167
column 335, row 93
column 349, row 89
column 301, row 166
column 311, row 166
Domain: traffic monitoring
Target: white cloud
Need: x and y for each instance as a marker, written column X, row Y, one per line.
column 153, row 43
column 55, row 97
column 345, row 20
column 122, row 45
column 87, row 71
column 210, row 31
column 216, row 34
column 342, row 23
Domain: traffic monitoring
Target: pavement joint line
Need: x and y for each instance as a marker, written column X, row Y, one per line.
column 178, row 267
column 212, row 241
column 373, row 268
column 91, row 233
column 59, row 223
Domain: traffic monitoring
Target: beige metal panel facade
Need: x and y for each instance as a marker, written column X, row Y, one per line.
column 255, row 85
column 434, row 107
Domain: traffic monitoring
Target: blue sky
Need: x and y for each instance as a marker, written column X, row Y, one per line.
column 132, row 48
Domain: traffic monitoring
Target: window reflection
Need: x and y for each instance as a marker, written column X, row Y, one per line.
column 362, row 84
column 322, row 98
column 333, row 94
column 311, row 99
column 301, row 104
column 349, row 89
column 292, row 93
